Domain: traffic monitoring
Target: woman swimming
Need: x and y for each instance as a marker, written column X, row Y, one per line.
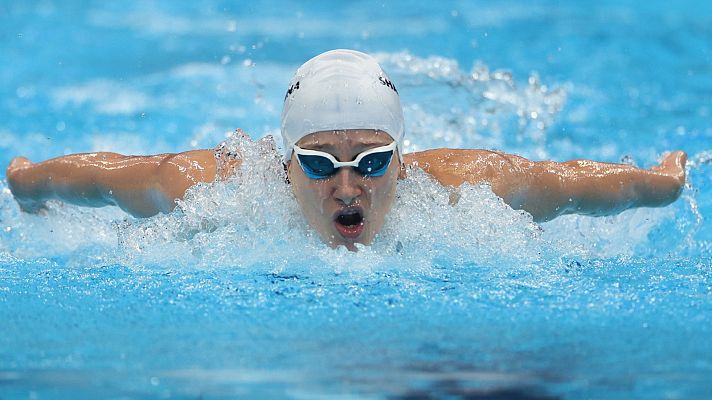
column 342, row 126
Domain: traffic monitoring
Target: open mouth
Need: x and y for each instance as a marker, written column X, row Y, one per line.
column 349, row 222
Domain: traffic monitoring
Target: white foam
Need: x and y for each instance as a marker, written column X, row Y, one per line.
column 252, row 220
column 446, row 106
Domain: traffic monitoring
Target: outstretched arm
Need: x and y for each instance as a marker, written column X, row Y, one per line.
column 548, row 189
column 140, row 185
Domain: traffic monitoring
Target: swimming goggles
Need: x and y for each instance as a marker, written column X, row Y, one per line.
column 320, row 165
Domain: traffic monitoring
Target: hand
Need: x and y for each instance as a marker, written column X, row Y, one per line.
column 27, row 205
column 673, row 165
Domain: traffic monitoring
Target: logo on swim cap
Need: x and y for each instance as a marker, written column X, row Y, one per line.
column 291, row 89
column 340, row 90
column 383, row 81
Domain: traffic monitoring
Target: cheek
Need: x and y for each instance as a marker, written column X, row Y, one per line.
column 383, row 192
column 317, row 191
column 305, row 189
column 312, row 197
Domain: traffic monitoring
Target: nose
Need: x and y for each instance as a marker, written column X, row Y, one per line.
column 347, row 188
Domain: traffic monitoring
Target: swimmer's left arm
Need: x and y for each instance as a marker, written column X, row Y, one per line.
column 548, row 189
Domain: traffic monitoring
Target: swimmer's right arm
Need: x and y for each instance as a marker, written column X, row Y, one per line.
column 140, row 185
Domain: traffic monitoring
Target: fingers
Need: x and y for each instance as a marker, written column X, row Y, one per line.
column 672, row 163
column 680, row 159
column 674, row 160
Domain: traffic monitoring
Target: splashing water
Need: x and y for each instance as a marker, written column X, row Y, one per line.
column 233, row 293
column 251, row 220
column 480, row 109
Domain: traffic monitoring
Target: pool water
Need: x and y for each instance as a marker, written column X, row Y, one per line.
column 232, row 296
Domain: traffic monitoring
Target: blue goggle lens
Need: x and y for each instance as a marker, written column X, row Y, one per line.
column 318, row 167
column 375, row 164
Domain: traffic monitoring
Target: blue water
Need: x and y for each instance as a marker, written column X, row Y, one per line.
column 232, row 297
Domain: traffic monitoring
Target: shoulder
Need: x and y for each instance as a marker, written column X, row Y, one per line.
column 194, row 165
column 446, row 156
column 464, row 160
column 455, row 166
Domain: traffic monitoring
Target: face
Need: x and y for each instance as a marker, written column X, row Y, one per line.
column 347, row 207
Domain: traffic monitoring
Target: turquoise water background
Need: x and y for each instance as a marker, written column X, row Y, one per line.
column 232, row 297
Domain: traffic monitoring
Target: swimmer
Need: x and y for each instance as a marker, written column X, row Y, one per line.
column 342, row 126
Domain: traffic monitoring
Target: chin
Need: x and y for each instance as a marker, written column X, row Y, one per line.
column 338, row 241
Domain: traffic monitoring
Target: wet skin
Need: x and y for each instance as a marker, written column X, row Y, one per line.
column 321, row 200
column 146, row 185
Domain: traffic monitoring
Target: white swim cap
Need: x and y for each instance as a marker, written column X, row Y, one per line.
column 337, row 90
